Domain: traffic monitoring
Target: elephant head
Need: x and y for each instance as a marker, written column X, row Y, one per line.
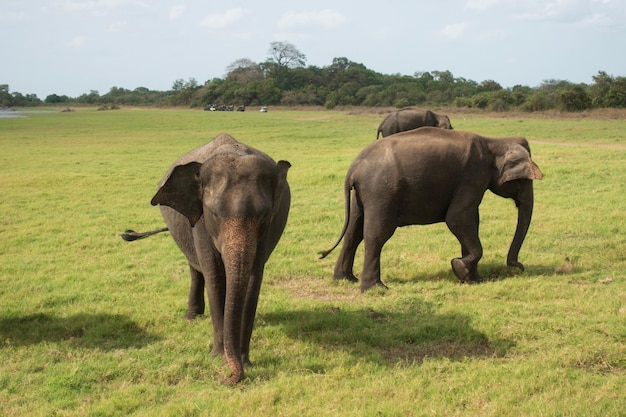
column 443, row 121
column 239, row 198
column 512, row 178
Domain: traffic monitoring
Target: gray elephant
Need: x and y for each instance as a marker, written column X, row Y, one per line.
column 226, row 205
column 409, row 118
column 426, row 176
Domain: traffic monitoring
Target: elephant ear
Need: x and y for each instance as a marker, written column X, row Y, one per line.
column 518, row 165
column 281, row 184
column 430, row 119
column 182, row 192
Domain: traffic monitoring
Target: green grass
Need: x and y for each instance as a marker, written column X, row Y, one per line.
column 92, row 325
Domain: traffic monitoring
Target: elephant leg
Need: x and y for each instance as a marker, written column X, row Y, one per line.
column 377, row 231
column 465, row 251
column 463, row 223
column 215, row 282
column 249, row 313
column 195, row 305
column 351, row 241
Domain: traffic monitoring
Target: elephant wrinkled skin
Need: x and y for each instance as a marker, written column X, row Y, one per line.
column 226, row 205
column 426, row 176
column 409, row 118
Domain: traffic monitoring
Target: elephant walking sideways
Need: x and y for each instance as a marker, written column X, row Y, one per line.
column 409, row 118
column 426, row 176
column 226, row 205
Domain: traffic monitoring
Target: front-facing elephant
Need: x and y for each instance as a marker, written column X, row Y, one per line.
column 226, row 205
column 409, row 118
column 426, row 176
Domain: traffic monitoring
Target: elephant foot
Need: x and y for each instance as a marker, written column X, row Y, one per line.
column 460, row 270
column 515, row 264
column 377, row 284
column 190, row 316
column 463, row 273
column 217, row 350
column 245, row 359
column 349, row 277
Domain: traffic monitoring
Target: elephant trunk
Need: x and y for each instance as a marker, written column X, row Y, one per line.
column 525, row 203
column 238, row 253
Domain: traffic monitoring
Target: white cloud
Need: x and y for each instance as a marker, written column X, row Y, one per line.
column 177, row 11
column 481, row 4
column 454, row 31
column 99, row 7
column 118, row 26
column 91, row 5
column 222, row 20
column 326, row 18
column 78, row 41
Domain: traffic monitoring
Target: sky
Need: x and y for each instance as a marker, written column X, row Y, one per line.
column 71, row 47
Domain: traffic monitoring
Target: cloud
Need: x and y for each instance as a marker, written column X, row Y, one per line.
column 177, row 11
column 78, row 42
column 326, row 18
column 454, row 31
column 101, row 8
column 222, row 20
column 118, row 27
column 96, row 6
column 481, row 4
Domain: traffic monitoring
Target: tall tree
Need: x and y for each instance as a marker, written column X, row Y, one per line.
column 285, row 54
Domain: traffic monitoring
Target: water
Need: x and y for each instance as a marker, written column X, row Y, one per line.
column 13, row 114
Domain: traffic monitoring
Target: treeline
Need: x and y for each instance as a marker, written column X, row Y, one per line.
column 285, row 80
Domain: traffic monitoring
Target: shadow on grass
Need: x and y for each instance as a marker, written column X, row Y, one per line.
column 92, row 331
column 489, row 272
column 406, row 337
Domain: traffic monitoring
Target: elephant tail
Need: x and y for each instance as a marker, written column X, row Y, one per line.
column 346, row 190
column 130, row 235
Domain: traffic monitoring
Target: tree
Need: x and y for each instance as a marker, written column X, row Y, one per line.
column 6, row 99
column 56, row 99
column 243, row 71
column 27, row 100
column 285, row 54
column 574, row 98
column 283, row 57
column 92, row 98
column 182, row 91
column 538, row 101
column 617, row 93
column 600, row 89
column 488, row 85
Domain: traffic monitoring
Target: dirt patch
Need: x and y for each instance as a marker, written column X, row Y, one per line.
column 318, row 289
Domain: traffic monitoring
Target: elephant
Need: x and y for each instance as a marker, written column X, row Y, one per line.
column 226, row 206
column 409, row 118
column 431, row 175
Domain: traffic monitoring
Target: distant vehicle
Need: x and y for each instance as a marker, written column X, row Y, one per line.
column 263, row 109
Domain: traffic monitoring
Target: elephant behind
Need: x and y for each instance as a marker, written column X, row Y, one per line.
column 426, row 176
column 226, row 205
column 409, row 118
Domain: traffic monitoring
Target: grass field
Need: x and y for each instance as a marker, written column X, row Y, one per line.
column 93, row 326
